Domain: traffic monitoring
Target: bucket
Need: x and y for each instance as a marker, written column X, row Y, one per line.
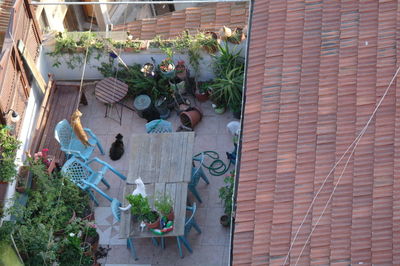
column 161, row 106
column 141, row 103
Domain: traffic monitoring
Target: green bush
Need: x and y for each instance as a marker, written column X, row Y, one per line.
column 8, row 149
column 42, row 225
column 228, row 84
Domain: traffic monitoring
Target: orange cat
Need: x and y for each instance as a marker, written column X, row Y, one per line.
column 78, row 129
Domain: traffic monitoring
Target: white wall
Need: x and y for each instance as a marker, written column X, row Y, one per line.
column 64, row 73
column 28, row 125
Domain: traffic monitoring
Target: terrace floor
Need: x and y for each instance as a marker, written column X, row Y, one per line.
column 209, row 248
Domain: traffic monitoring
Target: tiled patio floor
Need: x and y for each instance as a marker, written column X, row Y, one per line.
column 209, row 248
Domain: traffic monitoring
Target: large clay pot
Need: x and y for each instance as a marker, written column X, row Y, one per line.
column 191, row 117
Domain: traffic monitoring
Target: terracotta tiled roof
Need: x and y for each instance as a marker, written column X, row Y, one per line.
column 316, row 70
column 209, row 17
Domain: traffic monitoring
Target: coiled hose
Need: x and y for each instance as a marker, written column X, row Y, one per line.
column 217, row 167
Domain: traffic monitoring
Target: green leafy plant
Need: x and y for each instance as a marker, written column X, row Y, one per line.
column 207, row 41
column 8, row 149
column 48, row 211
column 156, row 87
column 141, row 208
column 163, row 204
column 73, row 48
column 205, row 87
column 226, row 192
column 228, row 84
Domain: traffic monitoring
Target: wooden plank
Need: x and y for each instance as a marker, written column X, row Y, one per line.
column 175, row 157
column 43, row 115
column 32, row 66
column 189, row 157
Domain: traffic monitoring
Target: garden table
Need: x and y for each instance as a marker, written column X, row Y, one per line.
column 111, row 91
column 164, row 162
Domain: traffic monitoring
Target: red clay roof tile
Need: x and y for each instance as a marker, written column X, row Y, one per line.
column 210, row 17
column 316, row 71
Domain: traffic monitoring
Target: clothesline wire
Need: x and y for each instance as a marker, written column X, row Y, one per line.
column 354, row 143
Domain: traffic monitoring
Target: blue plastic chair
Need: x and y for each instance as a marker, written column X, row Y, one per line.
column 159, row 126
column 86, row 178
column 71, row 145
column 189, row 224
column 197, row 173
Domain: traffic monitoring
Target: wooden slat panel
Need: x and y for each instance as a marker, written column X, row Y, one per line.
column 164, row 157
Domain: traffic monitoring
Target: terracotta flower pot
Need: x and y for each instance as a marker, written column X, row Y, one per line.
column 155, row 225
column 171, row 216
column 129, row 49
column 202, row 97
column 191, row 117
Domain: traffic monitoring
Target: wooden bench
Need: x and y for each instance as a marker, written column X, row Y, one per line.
column 59, row 102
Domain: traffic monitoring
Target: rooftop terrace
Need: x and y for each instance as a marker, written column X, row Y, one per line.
column 209, row 248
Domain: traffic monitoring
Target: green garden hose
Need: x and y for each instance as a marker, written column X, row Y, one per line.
column 217, row 167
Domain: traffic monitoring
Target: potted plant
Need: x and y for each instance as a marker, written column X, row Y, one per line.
column 237, row 36
column 177, row 85
column 225, row 194
column 164, row 205
column 8, row 150
column 203, row 91
column 208, row 41
column 148, row 70
column 228, row 84
column 142, row 211
column 180, row 70
column 167, row 66
column 90, row 234
column 132, row 46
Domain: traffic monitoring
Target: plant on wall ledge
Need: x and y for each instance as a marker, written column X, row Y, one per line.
column 8, row 149
column 73, row 48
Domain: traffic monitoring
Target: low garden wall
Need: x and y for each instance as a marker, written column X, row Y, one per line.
column 63, row 71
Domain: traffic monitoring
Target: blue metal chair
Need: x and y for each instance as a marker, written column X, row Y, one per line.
column 197, row 173
column 71, row 145
column 86, row 178
column 189, row 224
column 159, row 126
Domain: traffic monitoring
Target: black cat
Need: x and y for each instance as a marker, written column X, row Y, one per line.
column 117, row 148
